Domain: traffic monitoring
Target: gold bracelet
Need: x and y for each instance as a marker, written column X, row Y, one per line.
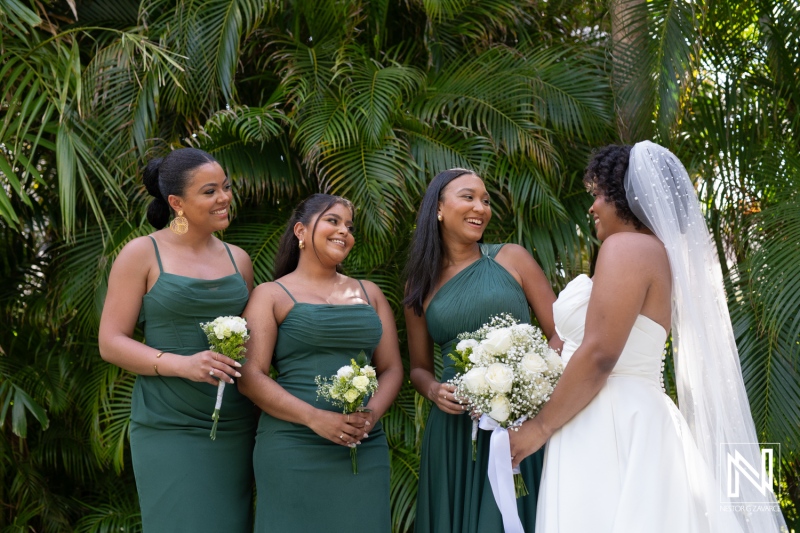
column 155, row 367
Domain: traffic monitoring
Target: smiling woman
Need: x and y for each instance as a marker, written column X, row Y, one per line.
column 169, row 282
column 312, row 321
column 455, row 284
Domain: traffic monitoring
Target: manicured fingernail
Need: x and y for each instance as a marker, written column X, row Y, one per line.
column 366, row 435
column 237, row 364
column 238, row 375
column 366, row 423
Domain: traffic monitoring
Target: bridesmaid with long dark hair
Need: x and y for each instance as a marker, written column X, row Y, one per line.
column 169, row 282
column 310, row 322
column 455, row 284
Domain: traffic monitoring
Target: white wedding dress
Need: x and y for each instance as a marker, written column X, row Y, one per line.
column 627, row 463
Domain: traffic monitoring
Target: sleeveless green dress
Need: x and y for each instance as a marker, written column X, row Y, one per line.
column 454, row 491
column 186, row 481
column 305, row 483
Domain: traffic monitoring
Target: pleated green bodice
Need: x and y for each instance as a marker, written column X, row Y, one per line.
column 467, row 301
column 179, row 470
column 317, row 340
column 454, row 492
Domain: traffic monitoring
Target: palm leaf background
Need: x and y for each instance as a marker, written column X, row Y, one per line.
column 368, row 100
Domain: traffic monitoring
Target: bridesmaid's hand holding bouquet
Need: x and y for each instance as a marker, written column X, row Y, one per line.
column 348, row 388
column 507, row 372
column 226, row 335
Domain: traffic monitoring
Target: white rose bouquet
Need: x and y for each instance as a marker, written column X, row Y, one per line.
column 347, row 389
column 506, row 372
column 226, row 335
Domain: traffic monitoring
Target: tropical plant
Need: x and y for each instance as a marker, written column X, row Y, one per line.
column 368, row 100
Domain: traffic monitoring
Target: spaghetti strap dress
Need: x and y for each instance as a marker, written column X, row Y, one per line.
column 454, row 492
column 186, row 481
column 304, row 482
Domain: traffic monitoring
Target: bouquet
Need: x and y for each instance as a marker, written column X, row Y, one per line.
column 347, row 389
column 226, row 335
column 506, row 372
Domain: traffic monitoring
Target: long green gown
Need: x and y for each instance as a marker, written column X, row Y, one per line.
column 454, row 491
column 304, row 482
column 186, row 481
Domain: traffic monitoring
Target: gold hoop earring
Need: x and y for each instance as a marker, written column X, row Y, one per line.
column 301, row 244
column 440, row 217
column 179, row 224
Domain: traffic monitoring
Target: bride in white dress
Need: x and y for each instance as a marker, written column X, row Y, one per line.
column 621, row 457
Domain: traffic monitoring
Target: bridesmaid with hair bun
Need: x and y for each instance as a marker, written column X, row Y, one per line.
column 169, row 282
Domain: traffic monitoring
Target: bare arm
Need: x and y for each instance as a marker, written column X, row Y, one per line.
column 420, row 349
column 244, row 264
column 386, row 358
column 127, row 285
column 621, row 282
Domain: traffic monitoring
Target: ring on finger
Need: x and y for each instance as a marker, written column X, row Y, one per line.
column 341, row 436
column 211, row 372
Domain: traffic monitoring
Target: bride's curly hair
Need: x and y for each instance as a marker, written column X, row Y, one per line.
column 606, row 175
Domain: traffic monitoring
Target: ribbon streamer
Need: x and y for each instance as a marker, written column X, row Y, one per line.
column 501, row 475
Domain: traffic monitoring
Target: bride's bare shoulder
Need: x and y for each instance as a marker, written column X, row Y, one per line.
column 632, row 248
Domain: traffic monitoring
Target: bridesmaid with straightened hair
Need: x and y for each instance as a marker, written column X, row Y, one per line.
column 169, row 282
column 455, row 283
column 310, row 322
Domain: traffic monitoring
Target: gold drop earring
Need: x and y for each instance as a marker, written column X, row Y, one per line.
column 179, row 224
column 301, row 244
column 440, row 217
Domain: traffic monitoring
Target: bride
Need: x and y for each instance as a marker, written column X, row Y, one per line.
column 620, row 457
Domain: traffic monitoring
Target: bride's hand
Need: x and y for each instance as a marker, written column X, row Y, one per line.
column 556, row 343
column 525, row 441
column 338, row 428
column 443, row 395
column 209, row 367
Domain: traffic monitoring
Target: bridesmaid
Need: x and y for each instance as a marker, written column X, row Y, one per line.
column 169, row 282
column 455, row 284
column 310, row 322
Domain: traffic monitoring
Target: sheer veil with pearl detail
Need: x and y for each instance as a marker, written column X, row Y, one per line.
column 711, row 392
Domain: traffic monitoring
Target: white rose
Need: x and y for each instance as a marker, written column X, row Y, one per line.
column 345, row 372
column 221, row 331
column 351, row 395
column 368, row 371
column 533, row 363
column 500, row 377
column 499, row 408
column 475, row 380
column 554, row 362
column 466, row 343
column 237, row 325
column 361, row 383
column 476, row 357
column 497, row 341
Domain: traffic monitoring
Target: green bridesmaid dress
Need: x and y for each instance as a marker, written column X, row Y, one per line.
column 186, row 481
column 304, row 482
column 454, row 491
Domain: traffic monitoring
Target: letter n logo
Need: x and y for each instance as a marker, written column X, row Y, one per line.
column 739, row 469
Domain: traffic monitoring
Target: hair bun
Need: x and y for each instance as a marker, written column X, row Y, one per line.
column 150, row 178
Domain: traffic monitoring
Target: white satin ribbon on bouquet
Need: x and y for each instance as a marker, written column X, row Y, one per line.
column 501, row 475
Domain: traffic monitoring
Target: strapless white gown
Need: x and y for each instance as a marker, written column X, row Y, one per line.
column 627, row 463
